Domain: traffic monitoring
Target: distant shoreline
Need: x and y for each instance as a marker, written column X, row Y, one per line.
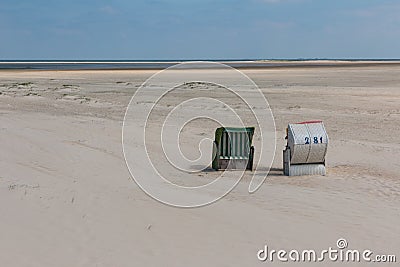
column 157, row 65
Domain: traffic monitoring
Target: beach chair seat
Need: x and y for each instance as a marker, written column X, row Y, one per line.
column 232, row 148
column 307, row 144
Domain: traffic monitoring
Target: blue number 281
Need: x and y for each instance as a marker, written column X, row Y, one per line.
column 315, row 139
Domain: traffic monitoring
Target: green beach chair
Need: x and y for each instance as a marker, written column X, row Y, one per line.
column 232, row 148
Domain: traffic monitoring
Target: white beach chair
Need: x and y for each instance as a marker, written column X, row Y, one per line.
column 306, row 148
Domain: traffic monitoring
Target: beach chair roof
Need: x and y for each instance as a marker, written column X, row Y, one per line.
column 221, row 130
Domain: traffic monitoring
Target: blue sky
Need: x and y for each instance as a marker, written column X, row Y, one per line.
column 199, row 29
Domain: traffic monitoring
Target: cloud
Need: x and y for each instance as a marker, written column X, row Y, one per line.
column 108, row 10
column 272, row 1
column 378, row 10
column 383, row 17
column 281, row 1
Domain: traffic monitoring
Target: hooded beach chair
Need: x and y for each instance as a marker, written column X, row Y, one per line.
column 232, row 148
column 307, row 144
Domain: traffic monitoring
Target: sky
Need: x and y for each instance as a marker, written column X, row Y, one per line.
column 199, row 29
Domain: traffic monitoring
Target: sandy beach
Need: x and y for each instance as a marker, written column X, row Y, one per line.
column 67, row 197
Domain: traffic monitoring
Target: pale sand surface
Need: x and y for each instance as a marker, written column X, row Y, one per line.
column 67, row 199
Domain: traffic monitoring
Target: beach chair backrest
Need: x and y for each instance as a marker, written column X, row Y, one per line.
column 234, row 143
column 308, row 142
